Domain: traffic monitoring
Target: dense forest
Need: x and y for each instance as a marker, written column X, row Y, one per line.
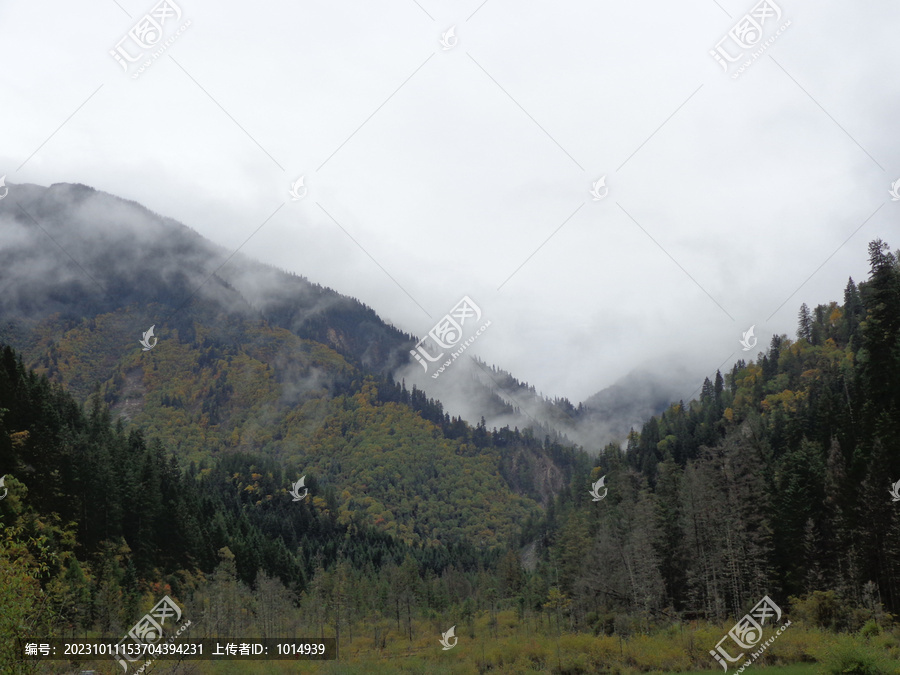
column 776, row 481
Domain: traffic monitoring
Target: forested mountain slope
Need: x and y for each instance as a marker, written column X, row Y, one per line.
column 75, row 253
column 776, row 481
column 250, row 359
column 83, row 274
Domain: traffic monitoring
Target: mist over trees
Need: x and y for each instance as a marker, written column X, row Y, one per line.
column 775, row 481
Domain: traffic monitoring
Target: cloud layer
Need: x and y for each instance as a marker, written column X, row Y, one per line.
column 434, row 174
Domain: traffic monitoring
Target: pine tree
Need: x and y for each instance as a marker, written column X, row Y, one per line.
column 804, row 323
column 881, row 343
column 854, row 313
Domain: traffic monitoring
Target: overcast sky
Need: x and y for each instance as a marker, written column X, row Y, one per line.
column 433, row 173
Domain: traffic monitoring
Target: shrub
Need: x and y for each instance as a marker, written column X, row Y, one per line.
column 823, row 609
column 592, row 654
column 870, row 629
column 801, row 645
column 657, row 653
column 535, row 654
column 850, row 657
column 602, row 624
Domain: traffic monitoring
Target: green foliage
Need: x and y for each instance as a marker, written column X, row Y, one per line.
column 870, row 629
column 774, row 482
column 823, row 609
column 849, row 657
column 394, row 467
column 23, row 611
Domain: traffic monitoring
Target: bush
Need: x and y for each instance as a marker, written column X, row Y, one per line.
column 822, row 609
column 534, row 654
column 801, row 645
column 657, row 653
column 870, row 629
column 602, row 624
column 850, row 657
column 594, row 654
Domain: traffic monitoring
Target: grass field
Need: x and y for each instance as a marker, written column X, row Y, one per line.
column 419, row 667
column 798, row 669
column 507, row 646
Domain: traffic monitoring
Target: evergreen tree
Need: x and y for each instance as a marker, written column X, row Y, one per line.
column 804, row 323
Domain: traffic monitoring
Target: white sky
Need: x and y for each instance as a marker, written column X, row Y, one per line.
column 451, row 167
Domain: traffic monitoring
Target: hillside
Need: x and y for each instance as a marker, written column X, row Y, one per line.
column 249, row 360
column 71, row 251
column 135, row 473
column 777, row 480
column 774, row 482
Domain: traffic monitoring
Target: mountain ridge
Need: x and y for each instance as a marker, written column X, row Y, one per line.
column 146, row 259
column 237, row 369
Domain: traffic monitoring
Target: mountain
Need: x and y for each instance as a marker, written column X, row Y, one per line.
column 132, row 473
column 775, row 481
column 70, row 252
column 73, row 251
column 605, row 417
column 633, row 400
column 250, row 359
